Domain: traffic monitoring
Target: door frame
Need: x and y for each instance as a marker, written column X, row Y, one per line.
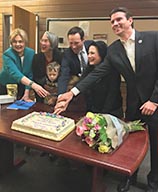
column 7, row 28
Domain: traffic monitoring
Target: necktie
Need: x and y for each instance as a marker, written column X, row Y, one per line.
column 82, row 62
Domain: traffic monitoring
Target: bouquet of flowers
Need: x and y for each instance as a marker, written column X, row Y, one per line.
column 105, row 132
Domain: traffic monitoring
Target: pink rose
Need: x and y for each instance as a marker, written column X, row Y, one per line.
column 89, row 141
column 85, row 127
column 80, row 130
column 97, row 127
column 87, row 120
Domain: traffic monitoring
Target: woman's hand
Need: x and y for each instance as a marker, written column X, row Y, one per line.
column 26, row 96
column 36, row 87
column 40, row 90
column 26, row 99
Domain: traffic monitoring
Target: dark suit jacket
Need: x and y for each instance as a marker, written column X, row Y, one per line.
column 70, row 66
column 142, row 85
column 104, row 96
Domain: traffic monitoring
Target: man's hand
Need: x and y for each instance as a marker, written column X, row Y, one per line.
column 148, row 108
column 63, row 102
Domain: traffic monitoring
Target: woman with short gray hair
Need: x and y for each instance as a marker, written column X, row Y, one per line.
column 49, row 52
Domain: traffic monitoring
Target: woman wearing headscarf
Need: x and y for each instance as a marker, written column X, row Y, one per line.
column 49, row 52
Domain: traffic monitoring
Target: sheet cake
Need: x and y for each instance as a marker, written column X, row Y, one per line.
column 46, row 125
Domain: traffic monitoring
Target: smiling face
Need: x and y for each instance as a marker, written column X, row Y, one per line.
column 45, row 44
column 75, row 42
column 93, row 55
column 121, row 26
column 18, row 44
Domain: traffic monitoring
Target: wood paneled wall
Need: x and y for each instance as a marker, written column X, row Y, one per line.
column 74, row 8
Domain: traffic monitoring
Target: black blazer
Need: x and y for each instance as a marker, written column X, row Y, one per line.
column 70, row 66
column 142, row 85
column 104, row 95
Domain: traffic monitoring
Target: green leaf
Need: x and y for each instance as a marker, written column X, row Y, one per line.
column 103, row 135
column 135, row 126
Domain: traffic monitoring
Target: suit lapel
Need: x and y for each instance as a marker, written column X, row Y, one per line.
column 123, row 56
column 138, row 49
column 74, row 56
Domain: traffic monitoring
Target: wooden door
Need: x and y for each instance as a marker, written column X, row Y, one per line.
column 26, row 20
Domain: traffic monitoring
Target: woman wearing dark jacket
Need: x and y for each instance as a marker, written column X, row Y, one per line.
column 103, row 96
column 49, row 53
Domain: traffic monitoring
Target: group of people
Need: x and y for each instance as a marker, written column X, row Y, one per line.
column 92, row 68
column 134, row 56
column 51, row 73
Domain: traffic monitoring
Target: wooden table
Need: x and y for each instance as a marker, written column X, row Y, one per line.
column 126, row 159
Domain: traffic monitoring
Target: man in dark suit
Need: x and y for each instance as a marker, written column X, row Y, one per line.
column 71, row 62
column 135, row 57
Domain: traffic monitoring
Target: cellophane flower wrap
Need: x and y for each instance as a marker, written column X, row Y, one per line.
column 105, row 132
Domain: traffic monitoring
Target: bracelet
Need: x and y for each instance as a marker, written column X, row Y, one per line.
column 30, row 84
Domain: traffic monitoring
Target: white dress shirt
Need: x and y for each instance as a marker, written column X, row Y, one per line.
column 129, row 46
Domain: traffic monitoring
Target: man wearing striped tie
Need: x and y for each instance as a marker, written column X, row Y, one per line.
column 74, row 59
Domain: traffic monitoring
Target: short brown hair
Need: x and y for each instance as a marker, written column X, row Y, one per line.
column 128, row 14
column 121, row 9
column 75, row 30
column 53, row 66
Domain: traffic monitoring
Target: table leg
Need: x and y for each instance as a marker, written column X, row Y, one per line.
column 6, row 156
column 7, row 162
column 98, row 184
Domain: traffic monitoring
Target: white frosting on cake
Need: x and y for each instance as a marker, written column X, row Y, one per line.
column 43, row 124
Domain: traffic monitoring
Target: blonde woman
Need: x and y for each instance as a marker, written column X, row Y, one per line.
column 17, row 67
